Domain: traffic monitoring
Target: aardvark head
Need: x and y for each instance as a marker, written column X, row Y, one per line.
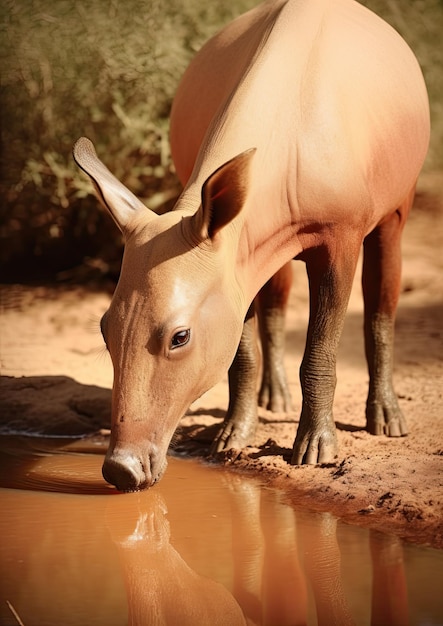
column 175, row 320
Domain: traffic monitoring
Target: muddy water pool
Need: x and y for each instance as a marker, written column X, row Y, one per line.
column 204, row 546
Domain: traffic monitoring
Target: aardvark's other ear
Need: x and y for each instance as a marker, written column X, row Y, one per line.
column 120, row 202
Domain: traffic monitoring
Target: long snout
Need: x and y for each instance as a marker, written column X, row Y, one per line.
column 128, row 471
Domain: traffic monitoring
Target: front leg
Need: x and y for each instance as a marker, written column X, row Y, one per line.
column 240, row 423
column 381, row 290
column 330, row 281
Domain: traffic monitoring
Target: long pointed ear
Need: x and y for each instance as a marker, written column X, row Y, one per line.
column 223, row 196
column 120, row 202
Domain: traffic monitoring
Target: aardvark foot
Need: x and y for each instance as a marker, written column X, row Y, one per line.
column 384, row 416
column 315, row 443
column 274, row 395
column 234, row 433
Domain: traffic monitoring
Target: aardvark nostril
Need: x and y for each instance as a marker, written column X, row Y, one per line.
column 126, row 473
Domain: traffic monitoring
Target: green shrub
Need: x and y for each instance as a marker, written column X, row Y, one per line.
column 109, row 70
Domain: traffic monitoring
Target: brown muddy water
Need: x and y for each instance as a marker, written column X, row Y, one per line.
column 203, row 547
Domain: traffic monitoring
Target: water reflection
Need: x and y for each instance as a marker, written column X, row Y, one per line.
column 161, row 587
column 288, row 565
column 389, row 585
column 203, row 547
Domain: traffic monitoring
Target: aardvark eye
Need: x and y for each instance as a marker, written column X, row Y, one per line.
column 180, row 339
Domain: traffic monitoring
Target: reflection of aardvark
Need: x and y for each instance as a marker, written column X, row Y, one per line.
column 276, row 558
column 162, row 590
column 280, row 554
column 299, row 132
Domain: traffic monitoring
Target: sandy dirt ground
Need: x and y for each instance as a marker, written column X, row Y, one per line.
column 56, row 379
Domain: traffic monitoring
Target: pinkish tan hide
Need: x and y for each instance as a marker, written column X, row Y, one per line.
column 300, row 131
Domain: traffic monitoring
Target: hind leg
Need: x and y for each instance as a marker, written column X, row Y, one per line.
column 271, row 302
column 381, row 290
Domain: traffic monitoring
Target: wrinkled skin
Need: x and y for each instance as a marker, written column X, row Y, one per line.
column 314, row 127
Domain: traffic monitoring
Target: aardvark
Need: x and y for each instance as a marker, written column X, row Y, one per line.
column 299, row 130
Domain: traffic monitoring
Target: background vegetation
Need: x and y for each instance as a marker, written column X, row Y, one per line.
column 109, row 69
